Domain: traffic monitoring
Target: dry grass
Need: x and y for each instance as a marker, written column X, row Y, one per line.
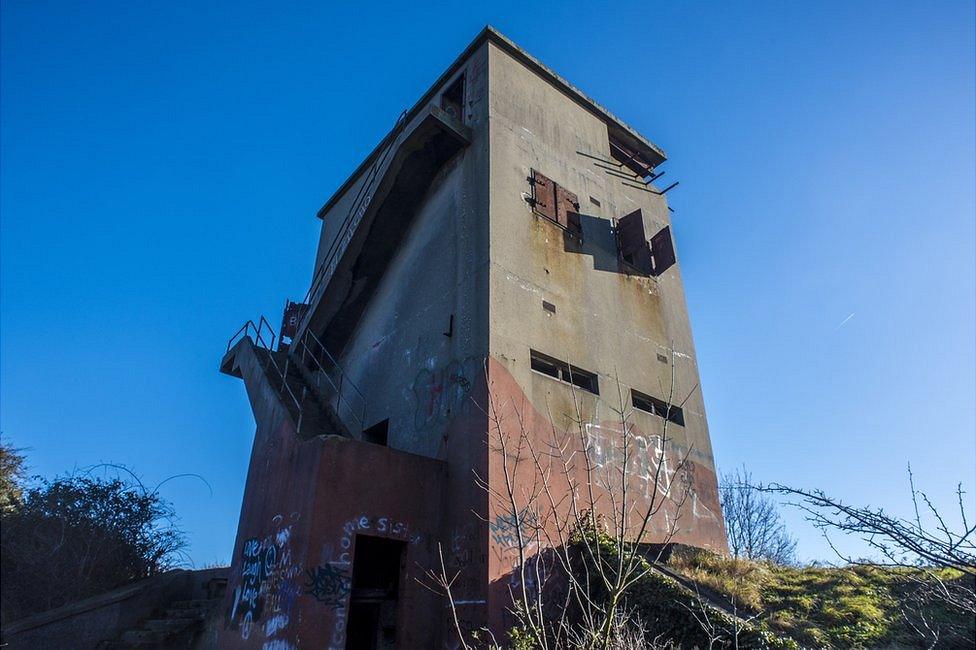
column 739, row 580
column 839, row 607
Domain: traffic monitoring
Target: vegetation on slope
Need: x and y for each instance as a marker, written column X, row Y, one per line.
column 858, row 606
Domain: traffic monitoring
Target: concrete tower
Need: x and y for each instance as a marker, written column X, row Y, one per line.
column 501, row 265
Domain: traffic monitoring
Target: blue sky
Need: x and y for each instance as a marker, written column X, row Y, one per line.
column 162, row 164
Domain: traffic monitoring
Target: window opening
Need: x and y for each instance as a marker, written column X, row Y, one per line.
column 658, row 407
column 630, row 159
column 563, row 371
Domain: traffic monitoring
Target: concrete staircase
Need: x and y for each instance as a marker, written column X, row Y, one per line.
column 176, row 627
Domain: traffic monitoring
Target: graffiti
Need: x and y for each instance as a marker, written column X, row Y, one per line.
column 277, row 644
column 247, row 596
column 275, row 624
column 267, row 585
column 505, row 528
column 649, row 463
column 329, row 585
column 382, row 526
column 461, row 544
column 442, row 393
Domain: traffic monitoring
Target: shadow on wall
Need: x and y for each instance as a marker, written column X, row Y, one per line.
column 623, row 248
column 598, row 241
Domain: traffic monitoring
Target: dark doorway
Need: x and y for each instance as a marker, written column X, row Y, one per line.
column 379, row 433
column 376, row 569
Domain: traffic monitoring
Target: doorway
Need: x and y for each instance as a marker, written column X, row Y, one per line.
column 376, row 570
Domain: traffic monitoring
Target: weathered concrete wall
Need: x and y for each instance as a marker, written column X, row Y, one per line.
column 304, row 504
column 446, row 334
column 422, row 339
column 90, row 622
column 606, row 321
column 419, row 350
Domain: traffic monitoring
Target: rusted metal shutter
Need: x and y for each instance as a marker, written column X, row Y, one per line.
column 567, row 210
column 543, row 195
column 662, row 248
column 633, row 246
column 292, row 318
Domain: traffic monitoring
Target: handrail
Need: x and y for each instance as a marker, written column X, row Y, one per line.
column 357, row 207
column 248, row 325
column 343, row 380
column 258, row 340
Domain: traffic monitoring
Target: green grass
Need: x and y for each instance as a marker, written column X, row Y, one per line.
column 783, row 607
column 823, row 607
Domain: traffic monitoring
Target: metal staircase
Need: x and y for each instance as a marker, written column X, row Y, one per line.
column 312, row 386
column 356, row 212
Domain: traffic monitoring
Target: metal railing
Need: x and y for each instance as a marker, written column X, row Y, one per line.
column 323, row 367
column 247, row 327
column 356, row 211
column 254, row 332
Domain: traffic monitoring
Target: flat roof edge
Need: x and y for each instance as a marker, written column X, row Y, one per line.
column 490, row 34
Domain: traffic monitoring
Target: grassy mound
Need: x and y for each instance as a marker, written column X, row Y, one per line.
column 827, row 607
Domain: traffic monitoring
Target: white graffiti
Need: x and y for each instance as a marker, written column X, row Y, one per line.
column 275, row 623
column 277, row 644
column 380, row 526
column 665, row 472
column 269, row 586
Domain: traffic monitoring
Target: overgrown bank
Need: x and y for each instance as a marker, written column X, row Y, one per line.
column 712, row 601
column 859, row 606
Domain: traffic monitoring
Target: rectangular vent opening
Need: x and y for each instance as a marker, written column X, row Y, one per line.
column 565, row 372
column 658, row 407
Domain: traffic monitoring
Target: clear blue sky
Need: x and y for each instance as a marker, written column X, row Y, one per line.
column 162, row 164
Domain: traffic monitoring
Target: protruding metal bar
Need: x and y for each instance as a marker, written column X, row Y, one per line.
column 665, row 190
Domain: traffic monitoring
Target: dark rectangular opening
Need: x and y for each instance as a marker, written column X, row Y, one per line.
column 634, row 248
column 378, row 434
column 547, row 365
column 583, row 379
column 658, row 407
column 452, row 101
column 631, row 159
column 563, row 371
column 377, row 566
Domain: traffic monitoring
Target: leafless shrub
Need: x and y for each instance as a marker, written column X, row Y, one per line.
column 755, row 530
column 576, row 523
column 937, row 554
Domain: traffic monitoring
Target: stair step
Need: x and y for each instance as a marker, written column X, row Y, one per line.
column 192, row 604
column 169, row 624
column 144, row 637
column 196, row 614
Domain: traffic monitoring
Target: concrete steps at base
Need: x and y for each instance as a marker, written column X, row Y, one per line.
column 141, row 638
column 194, row 614
column 174, row 628
column 169, row 625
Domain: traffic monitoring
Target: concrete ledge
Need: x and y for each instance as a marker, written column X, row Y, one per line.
column 86, row 623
